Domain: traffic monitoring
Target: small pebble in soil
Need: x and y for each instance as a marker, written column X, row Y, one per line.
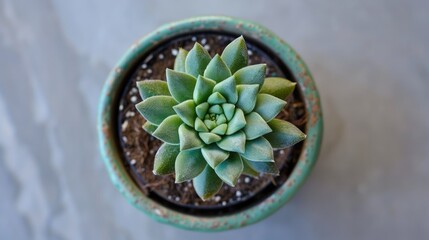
column 177, row 199
column 121, row 107
column 169, row 197
column 124, row 139
column 149, row 71
column 223, row 203
column 249, row 52
column 134, row 90
column 124, row 125
column 203, row 41
column 148, row 58
column 247, row 180
column 238, row 194
column 128, row 153
column 282, row 152
column 130, row 114
column 194, row 38
column 217, row 198
column 133, row 99
column 207, row 47
column 161, row 56
column 133, row 161
column 174, row 52
column 144, row 65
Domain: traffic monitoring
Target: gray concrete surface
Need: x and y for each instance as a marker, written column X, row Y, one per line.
column 369, row 58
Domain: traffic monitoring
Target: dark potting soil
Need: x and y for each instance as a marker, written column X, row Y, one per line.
column 139, row 148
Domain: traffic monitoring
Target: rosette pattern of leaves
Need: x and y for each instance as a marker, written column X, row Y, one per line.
column 216, row 117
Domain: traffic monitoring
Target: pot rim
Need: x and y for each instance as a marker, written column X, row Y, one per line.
column 109, row 147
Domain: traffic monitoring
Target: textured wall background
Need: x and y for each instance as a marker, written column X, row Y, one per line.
column 371, row 63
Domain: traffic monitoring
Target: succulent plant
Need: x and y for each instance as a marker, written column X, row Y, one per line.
column 216, row 117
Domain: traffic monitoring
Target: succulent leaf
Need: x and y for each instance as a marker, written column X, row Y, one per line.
column 167, row 131
column 189, row 164
column 284, row 134
column 220, row 129
column 209, row 137
column 228, row 110
column 203, row 89
column 202, row 109
column 216, row 109
column 263, row 167
column 200, row 126
column 247, row 97
column 181, row 85
column 197, row 60
column 189, row 138
column 247, row 170
column 268, row 106
column 259, row 150
column 179, row 62
column 216, row 98
column 155, row 109
column 228, row 89
column 230, row 169
column 207, row 184
column 186, row 111
column 235, row 54
column 214, row 155
column 255, row 126
column 210, row 124
column 165, row 159
column 149, row 88
column 233, row 143
column 278, row 87
column 237, row 122
column 217, row 69
column 149, row 127
column 253, row 74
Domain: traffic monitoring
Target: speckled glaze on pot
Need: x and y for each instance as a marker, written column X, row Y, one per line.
column 109, row 146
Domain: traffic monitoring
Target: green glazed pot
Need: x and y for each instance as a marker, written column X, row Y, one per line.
column 107, row 128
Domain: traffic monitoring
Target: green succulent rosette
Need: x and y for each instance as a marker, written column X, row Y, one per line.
column 216, row 117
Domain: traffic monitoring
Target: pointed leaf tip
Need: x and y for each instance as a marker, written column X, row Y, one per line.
column 167, row 131
column 214, row 155
column 186, row 111
column 149, row 88
column 247, row 96
column 155, row 109
column 207, row 184
column 165, row 159
column 268, row 106
column 179, row 62
column 230, row 169
column 189, row 138
column 188, row 165
column 228, row 89
column 180, row 85
column 235, row 54
column 233, row 143
column 253, row 74
column 259, row 150
column 278, row 87
column 217, row 69
column 197, row 60
column 284, row 134
column 256, row 126
column 203, row 89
